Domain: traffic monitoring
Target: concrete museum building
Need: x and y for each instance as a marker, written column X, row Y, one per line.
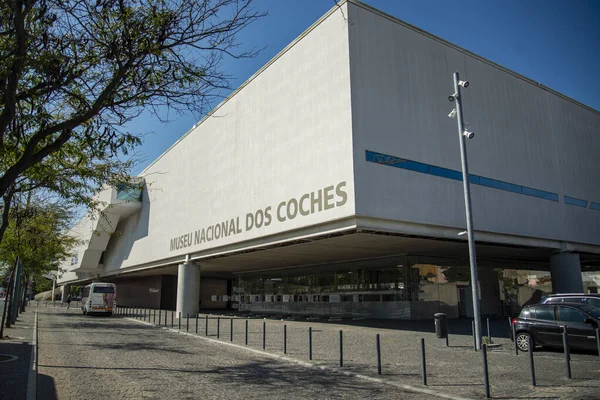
column 330, row 184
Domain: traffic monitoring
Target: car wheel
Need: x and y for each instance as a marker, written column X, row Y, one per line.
column 523, row 341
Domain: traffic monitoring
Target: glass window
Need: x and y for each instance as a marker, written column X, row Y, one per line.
column 568, row 314
column 546, row 313
column 104, row 289
column 594, row 302
column 525, row 313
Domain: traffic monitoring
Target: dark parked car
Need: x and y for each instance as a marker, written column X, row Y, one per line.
column 592, row 299
column 544, row 324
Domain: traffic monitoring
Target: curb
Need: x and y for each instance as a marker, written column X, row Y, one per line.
column 32, row 378
column 306, row 364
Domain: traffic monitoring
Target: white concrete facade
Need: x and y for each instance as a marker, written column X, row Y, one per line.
column 290, row 156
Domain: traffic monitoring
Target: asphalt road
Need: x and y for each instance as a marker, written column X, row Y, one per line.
column 115, row 358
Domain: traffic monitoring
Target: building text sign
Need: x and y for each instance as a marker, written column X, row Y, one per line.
column 309, row 203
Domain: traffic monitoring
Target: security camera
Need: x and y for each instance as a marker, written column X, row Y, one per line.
column 452, row 97
column 469, row 134
column 452, row 114
column 464, row 84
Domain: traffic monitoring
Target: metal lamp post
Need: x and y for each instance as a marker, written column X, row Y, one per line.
column 462, row 134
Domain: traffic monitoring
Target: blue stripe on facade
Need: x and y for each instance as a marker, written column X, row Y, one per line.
column 402, row 163
column 595, row 206
column 493, row 183
column 540, row 193
column 572, row 201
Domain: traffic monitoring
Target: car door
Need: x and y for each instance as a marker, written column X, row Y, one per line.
column 545, row 328
column 580, row 334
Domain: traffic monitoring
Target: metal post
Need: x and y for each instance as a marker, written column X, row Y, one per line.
column 598, row 340
column 341, row 349
column 172, row 318
column 206, row 326
column 246, row 332
column 196, row 323
column 567, row 352
column 154, row 316
column 474, row 335
column 179, row 320
column 159, row 315
column 447, row 338
column 514, row 332
column 284, row 339
column 531, row 364
column 231, row 330
column 378, row 355
column 218, row 327
column 264, row 334
column 187, row 322
column 470, row 233
column 310, row 343
column 486, row 377
column 423, row 364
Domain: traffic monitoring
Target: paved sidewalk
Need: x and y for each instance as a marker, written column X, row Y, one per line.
column 17, row 342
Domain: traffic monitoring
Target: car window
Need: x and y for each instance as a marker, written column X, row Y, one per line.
column 553, row 300
column 525, row 313
column 592, row 301
column 568, row 314
column 546, row 313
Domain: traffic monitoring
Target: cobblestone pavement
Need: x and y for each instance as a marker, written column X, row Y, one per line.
column 456, row 369
column 116, row 358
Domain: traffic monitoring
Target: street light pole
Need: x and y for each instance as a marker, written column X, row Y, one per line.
column 466, row 186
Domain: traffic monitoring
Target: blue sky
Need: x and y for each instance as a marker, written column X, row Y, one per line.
column 554, row 42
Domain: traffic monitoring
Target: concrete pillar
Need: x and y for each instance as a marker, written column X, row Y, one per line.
column 64, row 292
column 188, row 289
column 565, row 270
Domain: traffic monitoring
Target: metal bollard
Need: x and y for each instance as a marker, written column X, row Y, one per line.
column 423, row 363
column 172, row 318
column 284, row 339
column 531, row 364
column 179, row 320
column 514, row 331
column 159, row 314
column 598, row 340
column 264, row 335
column 231, row 330
column 486, row 377
column 218, row 327
column 567, row 352
column 196, row 323
column 166, row 313
column 206, row 325
column 246, row 332
column 187, row 322
column 474, row 338
column 310, row 343
column 341, row 349
column 378, row 354
column 154, row 317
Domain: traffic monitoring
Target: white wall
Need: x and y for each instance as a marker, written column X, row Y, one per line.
column 524, row 135
column 286, row 133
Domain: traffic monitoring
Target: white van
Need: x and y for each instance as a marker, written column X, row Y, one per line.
column 99, row 297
